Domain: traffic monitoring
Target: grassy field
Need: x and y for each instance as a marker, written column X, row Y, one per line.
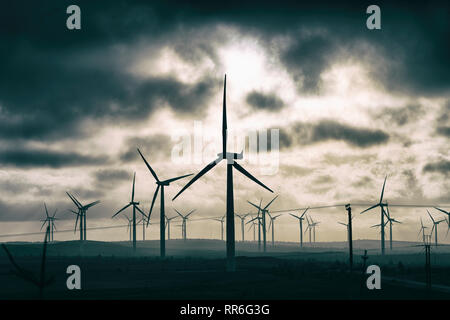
column 196, row 270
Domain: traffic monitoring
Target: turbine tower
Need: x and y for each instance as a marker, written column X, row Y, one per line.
column 135, row 206
column 231, row 163
column 183, row 226
column 263, row 218
column 390, row 221
column 82, row 215
column 422, row 229
column 300, row 220
column 383, row 213
column 168, row 225
column 160, row 184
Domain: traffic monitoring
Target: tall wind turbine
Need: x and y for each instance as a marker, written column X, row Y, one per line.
column 242, row 217
column 300, row 220
column 168, row 225
column 160, row 184
column 135, row 206
column 263, row 219
column 435, row 228
column 50, row 220
column 383, row 213
column 390, row 221
column 231, row 163
column 82, row 214
column 183, row 226
column 422, row 229
column 221, row 220
column 272, row 225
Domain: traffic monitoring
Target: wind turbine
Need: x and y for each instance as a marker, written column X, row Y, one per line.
column 422, row 229
column 221, row 220
column 160, row 184
column 253, row 225
column 135, row 206
column 348, row 231
column 168, row 225
column 263, row 218
column 390, row 221
column 130, row 223
column 40, row 282
column 231, row 163
column 272, row 224
column 309, row 228
column 383, row 213
column 82, row 214
column 435, row 229
column 242, row 217
column 447, row 219
column 300, row 220
column 185, row 218
column 314, row 224
column 50, row 220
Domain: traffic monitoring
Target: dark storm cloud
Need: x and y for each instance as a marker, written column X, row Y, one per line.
column 29, row 157
column 402, row 115
column 264, row 101
column 309, row 133
column 152, row 147
column 111, row 176
column 442, row 166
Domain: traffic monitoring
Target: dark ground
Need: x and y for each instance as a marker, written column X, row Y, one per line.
column 110, row 271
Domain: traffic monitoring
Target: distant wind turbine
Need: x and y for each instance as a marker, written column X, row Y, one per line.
column 272, row 225
column 231, row 163
column 242, row 217
column 81, row 215
column 300, row 220
column 185, row 218
column 383, row 214
column 390, row 221
column 221, row 220
column 50, row 221
column 264, row 211
column 135, row 206
column 435, row 228
column 160, row 184
column 168, row 225
column 422, row 229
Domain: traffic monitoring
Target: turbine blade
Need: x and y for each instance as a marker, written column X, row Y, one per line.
column 132, row 192
column 431, row 216
column 374, row 206
column 248, row 175
column 447, row 213
column 91, row 204
column 153, row 201
column 70, row 196
column 270, row 203
column 382, row 191
column 259, row 208
column 304, row 212
column 201, row 173
column 148, row 166
column 121, row 210
column 178, row 213
column 139, row 209
column 190, row 213
column 224, row 119
column 294, row 216
column 178, row 178
column 46, row 211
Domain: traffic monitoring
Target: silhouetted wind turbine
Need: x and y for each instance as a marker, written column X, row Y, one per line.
column 348, row 231
column 383, row 213
column 50, row 220
column 40, row 282
column 448, row 220
column 135, row 206
column 253, row 225
column 263, row 216
column 272, row 225
column 130, row 223
column 314, row 224
column 242, row 217
column 300, row 220
column 231, row 163
column 221, row 220
column 422, row 229
column 390, row 221
column 82, row 214
column 185, row 218
column 435, row 229
column 160, row 184
column 309, row 228
column 168, row 225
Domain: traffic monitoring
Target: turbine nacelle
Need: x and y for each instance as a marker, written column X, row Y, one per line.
column 230, row 156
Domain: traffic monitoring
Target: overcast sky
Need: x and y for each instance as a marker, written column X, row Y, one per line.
column 352, row 105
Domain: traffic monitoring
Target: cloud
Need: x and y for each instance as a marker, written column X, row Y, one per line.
column 442, row 166
column 401, row 116
column 111, row 177
column 264, row 101
column 32, row 157
column 301, row 133
column 152, row 147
